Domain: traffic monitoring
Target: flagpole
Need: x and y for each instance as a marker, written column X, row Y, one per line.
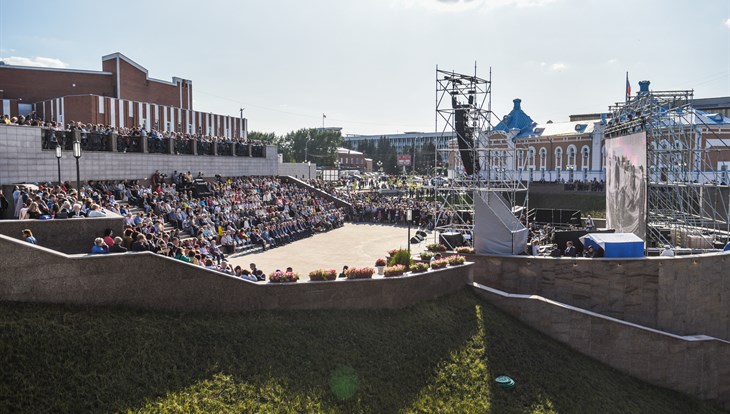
column 627, row 88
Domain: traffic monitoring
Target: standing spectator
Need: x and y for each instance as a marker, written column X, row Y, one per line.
column 344, row 272
column 590, row 225
column 3, row 205
column 28, row 236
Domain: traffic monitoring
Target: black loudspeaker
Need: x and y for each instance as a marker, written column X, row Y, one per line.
column 465, row 140
column 416, row 239
column 421, row 233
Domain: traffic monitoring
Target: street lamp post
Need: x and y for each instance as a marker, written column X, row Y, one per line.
column 77, row 155
column 409, row 217
column 59, row 154
column 309, row 170
column 306, row 146
column 380, row 166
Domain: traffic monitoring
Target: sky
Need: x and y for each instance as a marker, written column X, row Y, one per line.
column 369, row 65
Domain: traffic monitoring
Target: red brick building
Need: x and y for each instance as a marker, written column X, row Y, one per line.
column 122, row 95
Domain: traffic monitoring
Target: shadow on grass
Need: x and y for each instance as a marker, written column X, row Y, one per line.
column 84, row 359
column 551, row 377
column 438, row 356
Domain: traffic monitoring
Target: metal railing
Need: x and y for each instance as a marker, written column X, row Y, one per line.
column 97, row 141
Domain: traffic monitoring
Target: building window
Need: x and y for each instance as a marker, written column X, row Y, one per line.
column 531, row 157
column 543, row 158
column 571, row 156
column 558, row 157
column 585, row 155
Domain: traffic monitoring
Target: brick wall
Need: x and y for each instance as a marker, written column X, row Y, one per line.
column 40, row 84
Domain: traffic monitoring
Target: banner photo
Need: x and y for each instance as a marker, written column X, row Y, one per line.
column 626, row 184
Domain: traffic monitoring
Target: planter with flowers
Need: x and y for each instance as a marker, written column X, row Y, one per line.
column 380, row 265
column 283, row 277
column 419, row 267
column 439, row 264
column 360, row 273
column 392, row 252
column 323, row 274
column 465, row 250
column 426, row 256
column 456, row 260
column 396, row 270
column 436, row 248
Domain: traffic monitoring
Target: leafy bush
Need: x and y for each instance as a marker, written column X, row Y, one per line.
column 402, row 257
column 380, row 262
column 426, row 255
column 439, row 264
column 419, row 267
column 322, row 274
column 456, row 260
column 392, row 252
column 283, row 277
column 435, row 247
column 361, row 273
column 396, row 270
column 465, row 250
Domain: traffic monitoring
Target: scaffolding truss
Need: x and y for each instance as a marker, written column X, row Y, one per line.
column 464, row 113
column 687, row 194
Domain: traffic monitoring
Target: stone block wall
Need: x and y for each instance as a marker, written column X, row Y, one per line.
column 22, row 160
column 698, row 366
column 68, row 236
column 684, row 295
column 145, row 280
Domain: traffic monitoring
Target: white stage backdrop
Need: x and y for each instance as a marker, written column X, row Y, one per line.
column 626, row 184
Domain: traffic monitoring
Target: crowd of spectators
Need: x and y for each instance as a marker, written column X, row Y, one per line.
column 170, row 219
column 93, row 137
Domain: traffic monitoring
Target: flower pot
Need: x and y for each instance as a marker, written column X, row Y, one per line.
column 381, row 270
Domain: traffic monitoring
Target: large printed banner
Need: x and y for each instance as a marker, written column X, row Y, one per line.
column 626, row 184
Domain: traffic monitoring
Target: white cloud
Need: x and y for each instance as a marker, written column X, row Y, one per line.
column 612, row 60
column 727, row 22
column 558, row 66
column 467, row 5
column 40, row 61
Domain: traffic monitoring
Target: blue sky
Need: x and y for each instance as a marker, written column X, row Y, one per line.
column 369, row 65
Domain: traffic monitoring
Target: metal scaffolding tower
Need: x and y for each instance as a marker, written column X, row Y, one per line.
column 687, row 195
column 481, row 162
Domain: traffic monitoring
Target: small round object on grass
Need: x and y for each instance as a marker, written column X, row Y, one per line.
column 505, row 382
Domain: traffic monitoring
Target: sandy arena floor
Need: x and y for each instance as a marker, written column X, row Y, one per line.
column 355, row 244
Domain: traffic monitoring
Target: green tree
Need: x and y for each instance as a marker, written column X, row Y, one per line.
column 319, row 146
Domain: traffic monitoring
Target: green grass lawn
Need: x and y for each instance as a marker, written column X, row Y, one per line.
column 440, row 356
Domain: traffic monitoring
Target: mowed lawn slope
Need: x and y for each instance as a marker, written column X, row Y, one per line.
column 440, row 356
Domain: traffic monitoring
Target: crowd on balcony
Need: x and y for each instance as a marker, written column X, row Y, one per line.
column 95, row 137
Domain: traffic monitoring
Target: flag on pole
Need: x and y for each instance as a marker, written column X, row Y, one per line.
column 628, row 87
column 324, row 116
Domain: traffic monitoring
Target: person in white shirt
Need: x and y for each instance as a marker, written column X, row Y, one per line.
column 668, row 251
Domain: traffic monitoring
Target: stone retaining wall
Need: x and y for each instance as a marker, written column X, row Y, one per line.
column 145, row 280
column 684, row 295
column 67, row 236
column 698, row 366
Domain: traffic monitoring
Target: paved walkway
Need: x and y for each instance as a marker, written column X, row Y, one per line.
column 355, row 244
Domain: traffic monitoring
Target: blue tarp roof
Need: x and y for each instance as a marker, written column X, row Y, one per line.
column 615, row 244
column 517, row 119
